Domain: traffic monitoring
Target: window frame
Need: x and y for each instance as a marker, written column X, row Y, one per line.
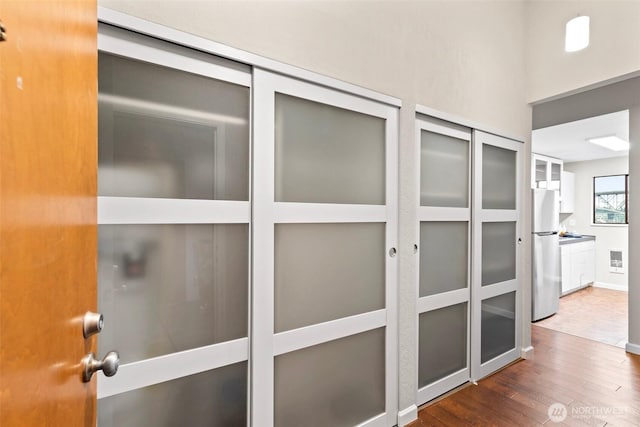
column 626, row 200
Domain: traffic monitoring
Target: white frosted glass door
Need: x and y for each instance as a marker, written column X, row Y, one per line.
column 443, row 250
column 173, row 234
column 324, row 265
column 496, row 264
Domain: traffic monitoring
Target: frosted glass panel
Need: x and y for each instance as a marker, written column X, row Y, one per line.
column 556, row 173
column 498, row 178
column 327, row 271
column 444, row 257
column 168, row 288
column 444, row 170
column 326, row 154
column 339, row 383
column 498, row 331
column 498, row 252
column 167, row 133
column 442, row 343
column 541, row 174
column 216, row 398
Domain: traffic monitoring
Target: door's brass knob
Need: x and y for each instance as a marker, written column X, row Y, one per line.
column 109, row 365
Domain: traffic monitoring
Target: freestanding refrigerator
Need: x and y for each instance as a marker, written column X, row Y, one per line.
column 546, row 254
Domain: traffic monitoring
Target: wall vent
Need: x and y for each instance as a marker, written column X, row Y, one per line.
column 616, row 264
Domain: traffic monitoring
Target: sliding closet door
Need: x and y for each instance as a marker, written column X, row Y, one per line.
column 324, row 264
column 497, row 247
column 173, row 235
column 444, row 220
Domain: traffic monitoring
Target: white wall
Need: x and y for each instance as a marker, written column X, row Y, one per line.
column 614, row 48
column 465, row 58
column 607, row 237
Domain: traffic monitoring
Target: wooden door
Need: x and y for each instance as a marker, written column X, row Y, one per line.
column 48, row 111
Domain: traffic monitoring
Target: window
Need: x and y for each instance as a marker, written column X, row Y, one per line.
column 610, row 197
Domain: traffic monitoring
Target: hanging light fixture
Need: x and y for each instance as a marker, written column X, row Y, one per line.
column 577, row 34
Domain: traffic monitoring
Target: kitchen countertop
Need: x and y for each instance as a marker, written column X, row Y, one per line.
column 584, row 238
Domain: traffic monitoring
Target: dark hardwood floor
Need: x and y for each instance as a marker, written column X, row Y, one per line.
column 589, row 383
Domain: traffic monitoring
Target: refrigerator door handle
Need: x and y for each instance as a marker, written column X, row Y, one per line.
column 545, row 233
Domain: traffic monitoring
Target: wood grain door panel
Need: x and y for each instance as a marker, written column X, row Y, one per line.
column 48, row 142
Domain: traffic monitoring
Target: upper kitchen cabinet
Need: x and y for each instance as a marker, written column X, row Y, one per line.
column 567, row 191
column 546, row 172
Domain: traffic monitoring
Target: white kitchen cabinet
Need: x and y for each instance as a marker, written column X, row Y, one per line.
column 578, row 265
column 546, row 172
column 567, row 192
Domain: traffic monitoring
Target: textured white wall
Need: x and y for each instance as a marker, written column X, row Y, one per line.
column 607, row 237
column 462, row 57
column 614, row 48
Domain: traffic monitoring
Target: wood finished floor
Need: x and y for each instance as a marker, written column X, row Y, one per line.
column 599, row 385
column 595, row 313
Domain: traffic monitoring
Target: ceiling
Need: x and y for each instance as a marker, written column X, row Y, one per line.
column 568, row 140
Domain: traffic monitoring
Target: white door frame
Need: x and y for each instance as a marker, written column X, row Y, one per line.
column 266, row 344
column 446, row 299
column 480, row 293
column 138, row 210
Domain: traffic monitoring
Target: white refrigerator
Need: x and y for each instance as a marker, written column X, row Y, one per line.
column 546, row 280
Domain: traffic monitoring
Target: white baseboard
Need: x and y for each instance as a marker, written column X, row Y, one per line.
column 527, row 352
column 632, row 348
column 610, row 286
column 407, row 415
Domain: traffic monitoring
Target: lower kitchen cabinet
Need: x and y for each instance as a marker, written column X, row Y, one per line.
column 578, row 265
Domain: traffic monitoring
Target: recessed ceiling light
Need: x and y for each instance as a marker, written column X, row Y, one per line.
column 611, row 142
column 577, row 34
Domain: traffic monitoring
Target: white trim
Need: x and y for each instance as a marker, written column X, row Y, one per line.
column 443, row 385
column 407, row 415
column 147, row 372
column 611, row 286
column 133, row 45
column 490, row 291
column 428, row 111
column 632, row 348
column 296, row 339
column 526, row 352
column 445, row 299
column 162, row 32
column 267, row 213
column 327, row 212
column 442, row 130
column 427, row 213
column 328, row 96
column 377, row 421
column 137, row 210
column 497, row 215
column 391, row 267
column 262, row 370
column 480, row 293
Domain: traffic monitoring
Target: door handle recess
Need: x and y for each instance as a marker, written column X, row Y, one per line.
column 109, row 365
